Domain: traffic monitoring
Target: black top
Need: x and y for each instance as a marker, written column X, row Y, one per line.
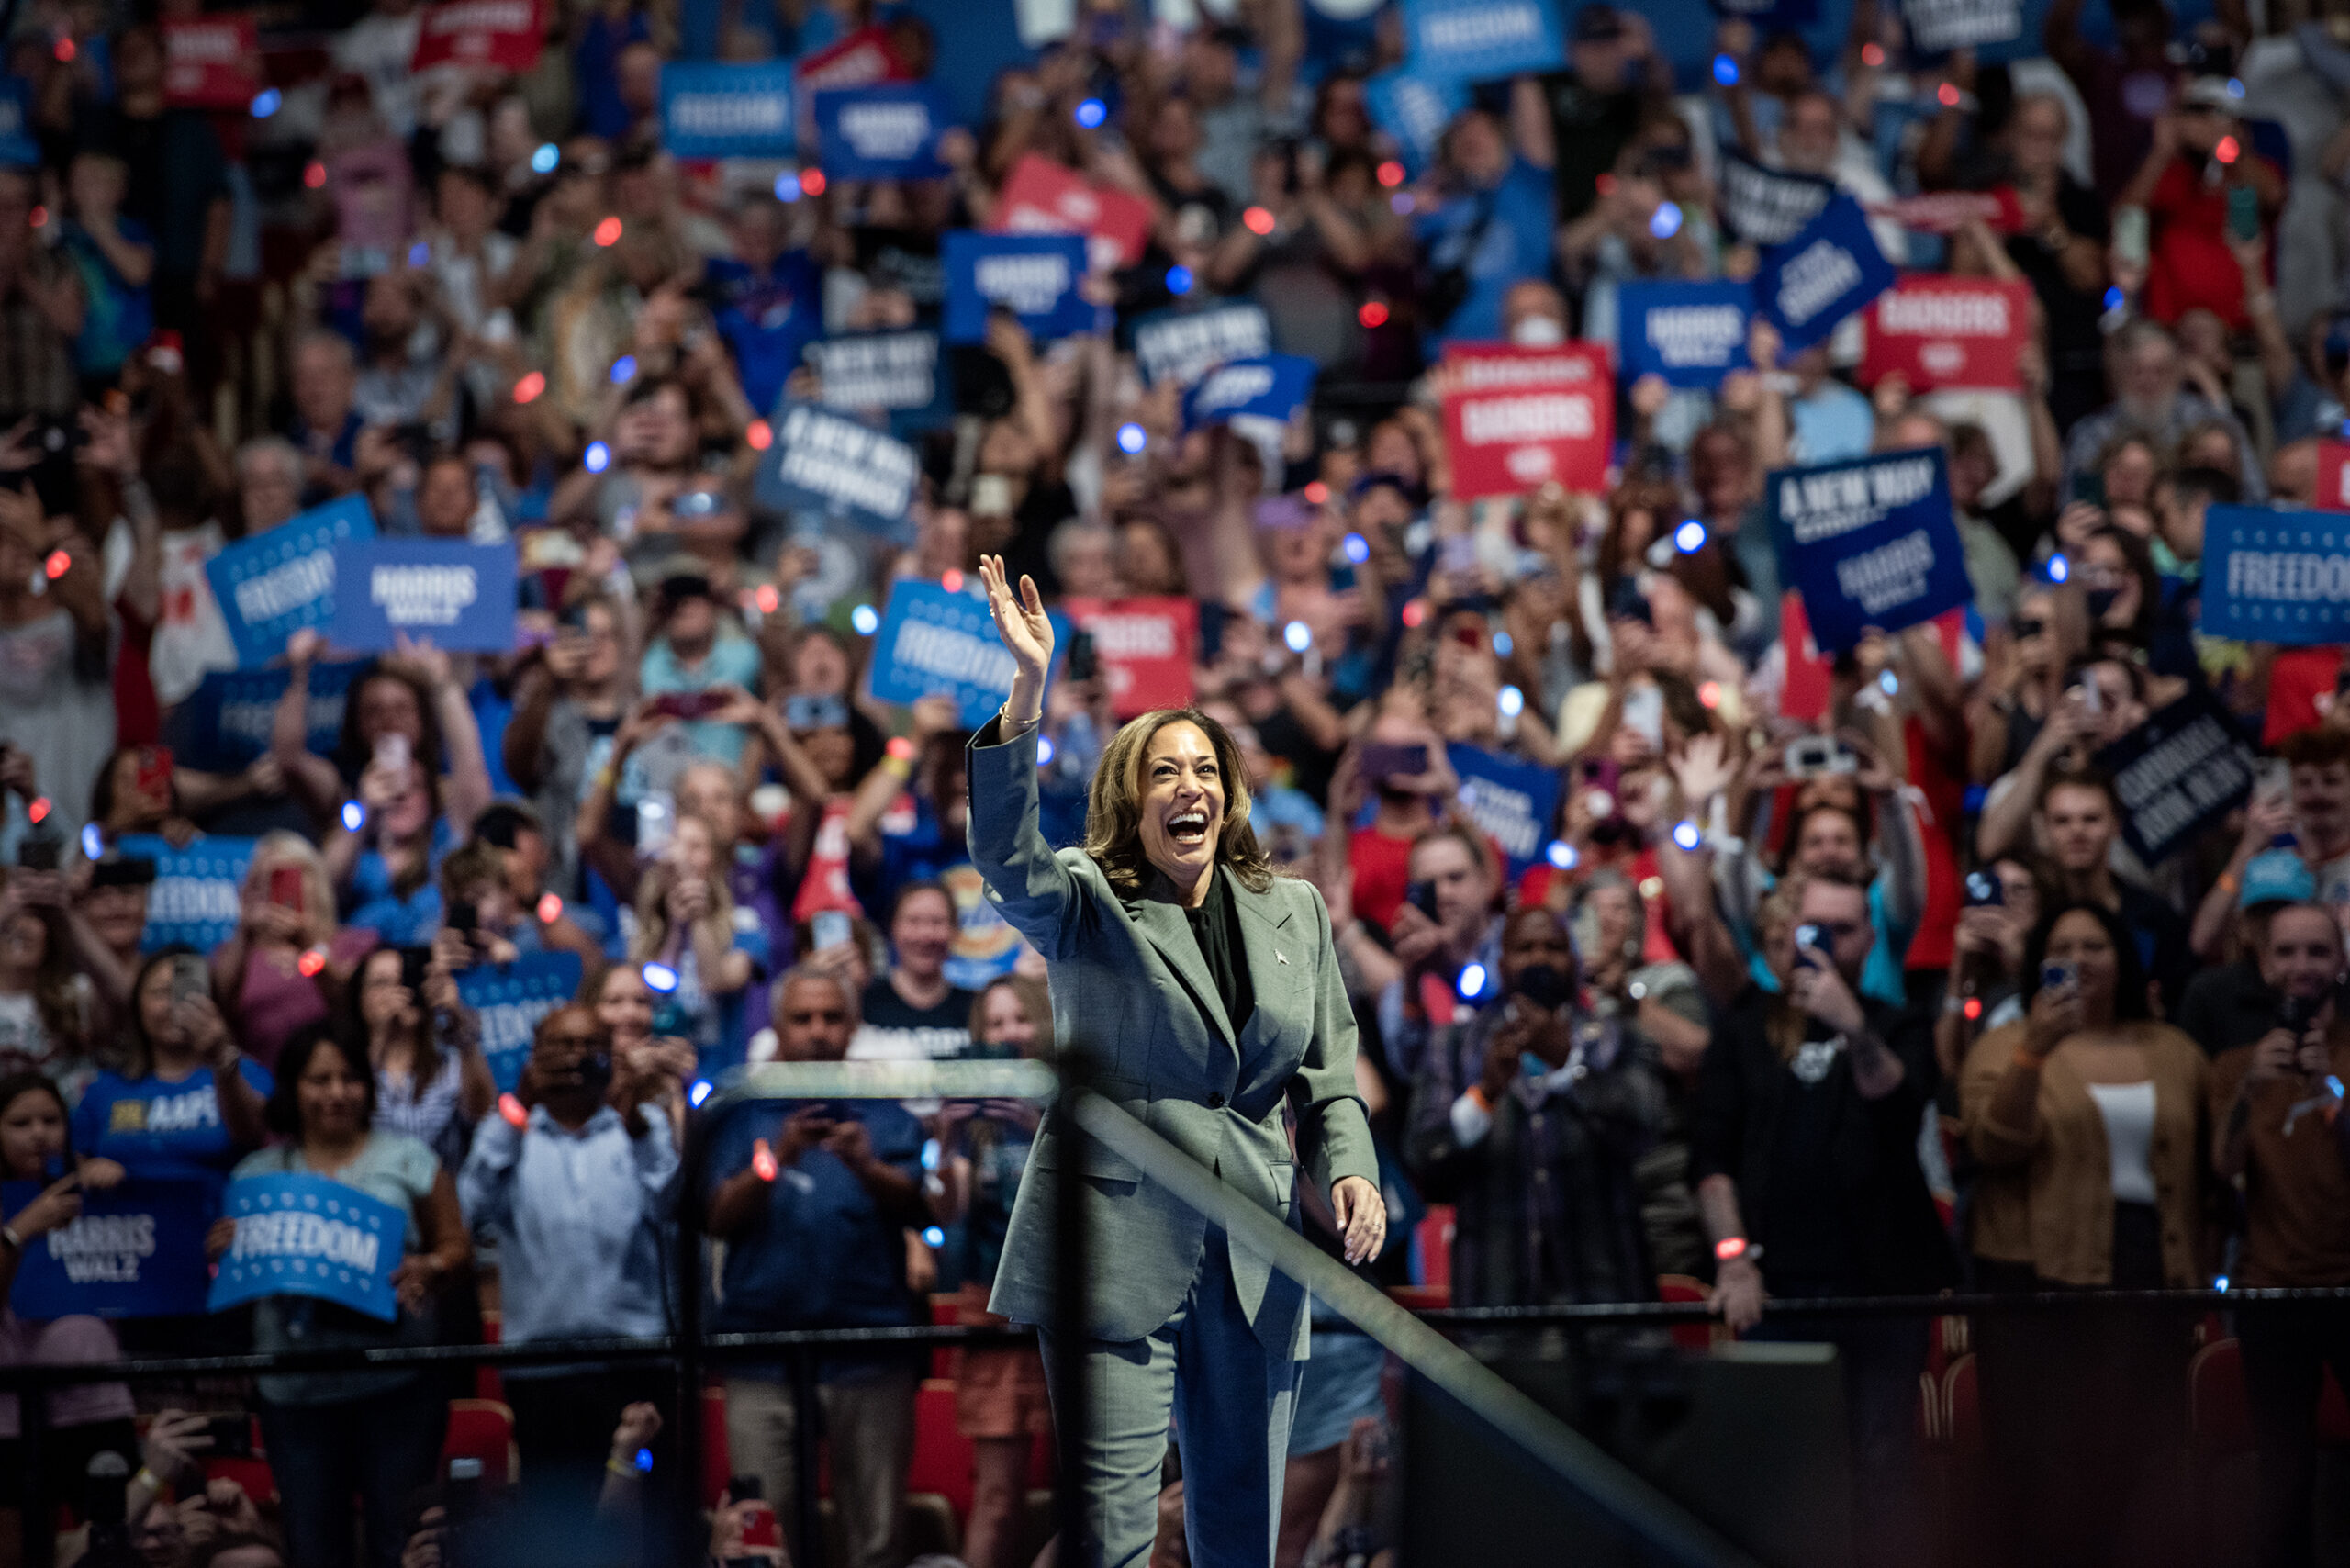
column 1827, row 1181
column 1216, row 926
column 2228, row 1006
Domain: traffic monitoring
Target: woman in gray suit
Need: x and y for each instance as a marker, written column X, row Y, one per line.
column 1206, row 991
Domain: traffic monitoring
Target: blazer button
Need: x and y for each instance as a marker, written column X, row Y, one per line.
column 1215, row 1101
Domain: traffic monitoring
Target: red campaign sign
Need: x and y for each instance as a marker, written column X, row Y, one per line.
column 1946, row 212
column 1807, row 686
column 1045, row 198
column 1948, row 332
column 1517, row 417
column 860, row 60
column 507, row 34
column 2332, row 491
column 1146, row 648
column 211, row 63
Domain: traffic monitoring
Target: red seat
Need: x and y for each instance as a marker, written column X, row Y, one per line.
column 945, row 1312
column 1433, row 1237
column 943, row 1456
column 717, row 1461
column 253, row 1474
column 483, row 1430
column 1420, row 1298
column 1961, row 1407
column 2218, row 1414
column 1686, row 1288
column 487, row 1383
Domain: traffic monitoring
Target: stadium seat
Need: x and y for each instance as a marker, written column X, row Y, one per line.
column 1962, row 1407
column 488, row 1384
column 945, row 1312
column 2218, row 1413
column 943, row 1455
column 1687, row 1288
column 483, row 1430
column 717, row 1461
column 1432, row 1238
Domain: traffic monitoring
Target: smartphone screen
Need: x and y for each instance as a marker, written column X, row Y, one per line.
column 285, row 887
column 2243, row 212
column 828, row 928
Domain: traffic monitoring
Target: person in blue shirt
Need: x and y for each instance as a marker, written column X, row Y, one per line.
column 115, row 258
column 813, row 1202
column 189, row 1105
column 1494, row 226
column 767, row 301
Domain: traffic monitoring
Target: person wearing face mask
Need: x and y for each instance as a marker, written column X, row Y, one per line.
column 2279, row 1134
column 1532, row 1117
column 1804, row 1142
column 2101, row 701
column 1174, row 943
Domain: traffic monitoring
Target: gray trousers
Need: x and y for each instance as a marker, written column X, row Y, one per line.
column 869, row 1419
column 1231, row 1400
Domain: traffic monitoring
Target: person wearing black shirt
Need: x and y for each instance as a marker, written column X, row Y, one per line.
column 1804, row 1145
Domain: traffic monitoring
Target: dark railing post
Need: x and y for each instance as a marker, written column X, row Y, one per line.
column 809, row 1551
column 1069, row 1342
column 40, row 1508
column 685, row 1490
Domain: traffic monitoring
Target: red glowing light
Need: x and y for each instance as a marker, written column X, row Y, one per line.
column 550, row 908
column 314, row 175
column 766, row 598
column 58, row 564
column 1872, row 55
column 1711, row 694
column 38, row 813
column 527, row 390
column 812, row 182
column 951, row 579
column 1416, row 613
column 66, row 50
column 901, row 748
column 763, row 1161
column 760, row 435
column 1316, row 492
column 41, row 217
column 1973, row 1008
column 1605, row 184
column 1258, row 220
column 312, row 962
column 2228, row 151
column 1372, row 314
column 1947, row 94
column 1390, row 174
column 608, row 232
column 511, row 1109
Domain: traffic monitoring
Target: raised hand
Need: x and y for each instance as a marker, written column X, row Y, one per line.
column 1026, row 630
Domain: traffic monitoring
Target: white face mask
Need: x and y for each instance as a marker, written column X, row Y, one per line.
column 1537, row 332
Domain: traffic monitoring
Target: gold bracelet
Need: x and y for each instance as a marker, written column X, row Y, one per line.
column 628, row 1471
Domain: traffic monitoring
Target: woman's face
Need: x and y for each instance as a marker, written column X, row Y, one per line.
column 1613, row 912
column 833, row 751
column 2129, row 476
column 388, row 707
column 668, row 429
column 2104, row 568
column 624, row 1007
column 331, row 1095
column 2080, row 940
column 819, row 668
column 1634, row 531
column 1005, row 1021
column 155, row 1003
column 384, row 1001
column 24, row 941
column 32, row 1133
column 1143, row 563
column 1391, row 450
column 691, row 852
column 1535, row 936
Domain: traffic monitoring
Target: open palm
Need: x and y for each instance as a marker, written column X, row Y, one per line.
column 1020, row 620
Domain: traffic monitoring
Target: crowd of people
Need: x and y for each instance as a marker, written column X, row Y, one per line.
column 1809, row 974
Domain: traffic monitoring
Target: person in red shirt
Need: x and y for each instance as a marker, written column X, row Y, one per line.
column 1379, row 854
column 2201, row 156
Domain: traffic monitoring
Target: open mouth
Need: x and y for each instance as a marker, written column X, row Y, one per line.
column 1189, row 829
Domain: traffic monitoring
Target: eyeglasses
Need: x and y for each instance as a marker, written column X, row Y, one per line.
column 2028, row 628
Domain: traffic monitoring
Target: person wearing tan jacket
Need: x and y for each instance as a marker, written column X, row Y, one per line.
column 2087, row 1118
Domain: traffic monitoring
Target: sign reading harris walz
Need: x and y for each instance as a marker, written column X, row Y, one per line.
column 2276, row 577
column 1869, row 544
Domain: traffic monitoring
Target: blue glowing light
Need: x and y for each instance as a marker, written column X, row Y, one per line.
column 1511, row 702
column 1887, row 682
column 930, row 1154
column 1503, row 644
column 2057, row 570
column 1132, row 438
column 1357, row 547
column 354, row 816
column 267, row 101
column 1562, row 854
column 1298, row 636
column 1178, row 280
column 1092, row 113
column 624, row 370
column 661, row 978
column 2114, row 298
column 1665, row 221
column 1472, row 982
column 1687, row 834
column 93, row 842
column 644, row 1461
column 865, row 619
column 1690, row 537
column 599, row 458
column 1044, row 751
column 699, row 1092
column 1725, row 71
column 935, row 1237
column 546, row 157
column 420, row 254
column 787, row 188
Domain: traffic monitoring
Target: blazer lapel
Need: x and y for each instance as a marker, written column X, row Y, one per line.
column 1163, row 923
column 1276, row 968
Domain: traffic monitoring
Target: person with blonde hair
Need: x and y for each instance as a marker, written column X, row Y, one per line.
column 685, row 944
column 287, row 962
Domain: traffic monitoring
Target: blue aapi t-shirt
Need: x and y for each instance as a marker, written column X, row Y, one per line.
column 156, row 1129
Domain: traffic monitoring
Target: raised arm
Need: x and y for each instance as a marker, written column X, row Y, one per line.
column 1036, row 891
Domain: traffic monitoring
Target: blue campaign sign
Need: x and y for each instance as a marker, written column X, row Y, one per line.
column 444, row 591
column 901, row 374
column 1414, row 108
column 1823, row 275
column 136, row 1251
column 886, row 132
column 710, row 110
column 1470, row 40
column 1692, row 334
column 281, row 582
column 308, row 1235
column 932, row 641
column 17, row 149
column 1034, row 277
column 1512, row 802
column 825, row 461
column 224, row 724
column 1871, row 543
column 510, row 1000
column 195, row 899
column 2276, row 577
column 1183, row 345
column 1270, row 386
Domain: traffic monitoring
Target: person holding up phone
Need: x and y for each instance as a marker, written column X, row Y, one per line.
column 286, row 963
column 187, row 1104
column 696, row 645
column 1400, row 763
column 2088, row 1117
column 812, row 1201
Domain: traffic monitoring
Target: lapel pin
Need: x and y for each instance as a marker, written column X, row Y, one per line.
column 1279, row 956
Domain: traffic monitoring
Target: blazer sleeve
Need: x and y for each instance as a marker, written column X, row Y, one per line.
column 1333, row 1129
column 1037, row 894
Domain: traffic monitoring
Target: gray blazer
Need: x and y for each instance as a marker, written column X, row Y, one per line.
column 1129, row 985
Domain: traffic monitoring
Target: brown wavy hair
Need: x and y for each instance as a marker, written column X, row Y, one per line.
column 1113, row 813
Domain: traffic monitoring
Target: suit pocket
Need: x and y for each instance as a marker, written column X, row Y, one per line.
column 1284, row 1172
column 1094, row 1157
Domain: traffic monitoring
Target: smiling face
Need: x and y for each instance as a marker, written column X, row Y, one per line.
column 32, row 1130
column 1004, row 1021
column 2302, row 956
column 1183, row 802
column 332, row 1094
column 624, row 1006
